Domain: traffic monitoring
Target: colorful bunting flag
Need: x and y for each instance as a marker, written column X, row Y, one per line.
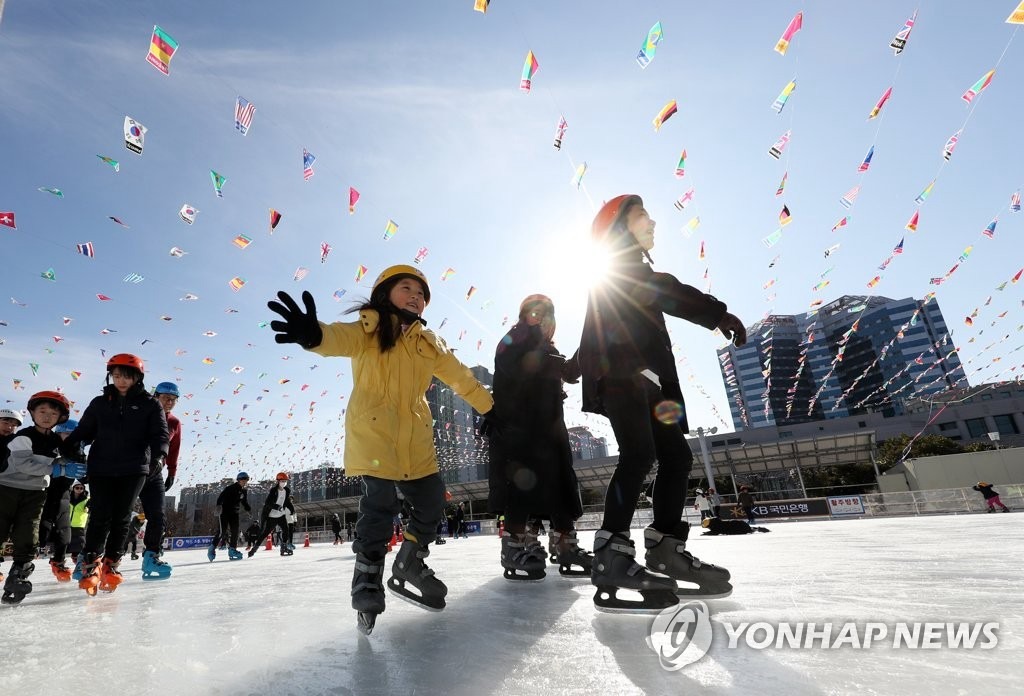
column 990, row 230
column 360, row 272
column 842, row 223
column 118, row 221
column 48, row 189
column 780, row 145
column 577, row 178
column 49, row 275
column 390, row 229
column 470, row 292
column 242, row 241
column 236, row 283
column 1014, row 202
column 300, row 273
column 275, row 218
column 684, row 200
column 681, row 167
column 665, row 114
column 923, row 196
column 353, row 198
column 912, row 224
column 244, row 112
column 134, row 135
column 782, row 184
column 795, row 25
column 780, row 101
column 530, row 68
column 218, row 183
column 161, row 50
column 978, row 87
column 448, row 274
column 188, row 214
column 849, row 197
column 307, row 164
column 1017, row 16
column 481, row 5
column 900, row 40
column 784, row 216
column 867, row 160
column 86, row 249
column 560, row 132
column 881, row 102
column 650, row 46
column 111, row 161
column 947, row 150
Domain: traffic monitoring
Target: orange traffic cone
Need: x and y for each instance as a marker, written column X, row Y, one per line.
column 269, row 544
column 393, row 541
column 401, row 535
column 305, row 544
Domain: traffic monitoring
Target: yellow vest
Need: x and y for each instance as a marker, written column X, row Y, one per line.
column 79, row 513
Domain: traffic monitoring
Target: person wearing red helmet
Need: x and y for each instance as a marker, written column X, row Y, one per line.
column 128, row 432
column 389, row 429
column 276, row 509
column 629, row 376
column 28, row 460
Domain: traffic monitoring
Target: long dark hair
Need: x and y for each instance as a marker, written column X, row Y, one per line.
column 387, row 329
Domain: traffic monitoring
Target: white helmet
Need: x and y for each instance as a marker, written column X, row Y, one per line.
column 699, row 490
column 13, row 415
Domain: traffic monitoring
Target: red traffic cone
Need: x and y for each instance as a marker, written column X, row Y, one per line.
column 269, row 545
column 401, row 536
column 393, row 541
column 305, row 544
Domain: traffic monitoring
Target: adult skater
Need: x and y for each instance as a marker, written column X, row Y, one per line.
column 128, row 432
column 336, row 528
column 531, row 472
column 275, row 515
column 702, row 504
column 629, row 376
column 716, row 526
column 716, row 502
column 27, row 461
column 991, row 497
column 55, row 523
column 746, row 502
column 229, row 504
column 389, row 435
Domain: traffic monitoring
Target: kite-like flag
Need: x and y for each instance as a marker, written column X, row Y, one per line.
column 785, row 217
column 307, row 164
column 353, row 198
column 914, row 219
column 118, row 221
column 360, row 272
column 990, row 230
column 389, row 229
column 780, row 101
column 947, row 150
column 481, row 5
column 161, row 50
column 650, row 46
column 325, row 249
column 780, row 144
column 849, row 197
column 684, row 200
column 782, row 184
column 49, row 274
column 242, row 241
column 690, row 227
column 1017, row 16
column 867, row 160
column 841, row 224
column 577, row 178
column 188, row 213
column 978, row 87
column 447, row 274
column 218, row 183
column 1014, row 202
column 421, row 254
column 795, row 25
column 665, row 114
column 243, row 115
column 681, row 167
column 275, row 218
column 560, row 132
column 772, row 239
column 923, row 196
column 49, row 189
column 881, row 102
column 530, row 68
column 7, row 219
column 86, row 249
column 902, row 36
column 300, row 273
column 898, row 249
column 134, row 135
column 470, row 292
column 111, row 161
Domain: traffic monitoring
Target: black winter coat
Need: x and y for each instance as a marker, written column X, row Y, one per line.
column 126, row 433
column 986, row 491
column 336, row 525
column 232, row 499
column 533, row 445
column 624, row 330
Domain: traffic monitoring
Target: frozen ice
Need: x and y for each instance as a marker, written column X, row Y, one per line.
column 283, row 625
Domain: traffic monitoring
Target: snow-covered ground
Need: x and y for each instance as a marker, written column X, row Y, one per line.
column 280, row 626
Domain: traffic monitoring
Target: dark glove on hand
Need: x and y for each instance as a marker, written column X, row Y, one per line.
column 157, row 464
column 490, row 426
column 168, row 482
column 278, row 507
column 297, row 327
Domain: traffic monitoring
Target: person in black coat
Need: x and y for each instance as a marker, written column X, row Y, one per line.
column 128, row 432
column 275, row 515
column 629, row 376
column 336, row 528
column 716, row 526
column 229, row 504
column 531, row 473
column 991, row 497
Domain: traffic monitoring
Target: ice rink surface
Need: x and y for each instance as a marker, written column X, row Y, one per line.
column 281, row 626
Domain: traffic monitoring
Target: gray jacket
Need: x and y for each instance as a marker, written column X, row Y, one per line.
column 30, row 460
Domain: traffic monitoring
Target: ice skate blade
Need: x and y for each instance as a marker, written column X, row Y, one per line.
column 568, row 572
column 719, row 592
column 365, row 622
column 653, row 602
column 154, row 578
column 11, row 599
column 399, row 591
column 527, row 576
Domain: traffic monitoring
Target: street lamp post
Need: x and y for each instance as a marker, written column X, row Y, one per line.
column 700, row 434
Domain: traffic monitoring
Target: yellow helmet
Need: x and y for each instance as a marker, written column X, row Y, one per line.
column 404, row 271
column 706, row 522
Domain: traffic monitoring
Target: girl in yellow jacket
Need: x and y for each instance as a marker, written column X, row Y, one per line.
column 389, row 430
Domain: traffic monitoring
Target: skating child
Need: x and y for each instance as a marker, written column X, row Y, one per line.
column 252, row 535
column 275, row 514
column 128, row 432
column 629, row 376
column 991, row 497
column 31, row 459
column 389, row 430
column 155, row 488
column 10, row 421
column 79, row 506
column 230, row 501
column 55, row 523
column 135, row 525
column 531, row 472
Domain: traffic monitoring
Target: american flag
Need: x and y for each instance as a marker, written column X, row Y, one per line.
column 243, row 115
column 86, row 249
column 1015, row 202
column 307, row 164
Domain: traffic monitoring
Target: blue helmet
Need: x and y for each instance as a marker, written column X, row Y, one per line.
column 242, row 476
column 66, row 427
column 167, row 388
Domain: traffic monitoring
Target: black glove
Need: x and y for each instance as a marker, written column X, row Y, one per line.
column 278, row 507
column 157, row 464
column 297, row 327
column 491, row 425
column 168, row 482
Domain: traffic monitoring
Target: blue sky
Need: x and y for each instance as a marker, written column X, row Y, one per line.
column 417, row 105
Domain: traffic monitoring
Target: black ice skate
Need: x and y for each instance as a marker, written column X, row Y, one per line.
column 566, row 552
column 410, row 568
column 522, row 558
column 368, row 592
column 17, row 584
column 614, row 569
column 667, row 554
